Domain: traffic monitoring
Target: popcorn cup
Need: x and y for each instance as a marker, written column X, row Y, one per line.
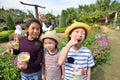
column 23, row 57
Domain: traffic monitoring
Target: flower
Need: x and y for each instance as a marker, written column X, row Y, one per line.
column 14, row 60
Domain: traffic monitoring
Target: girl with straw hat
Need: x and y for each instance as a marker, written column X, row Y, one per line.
column 51, row 55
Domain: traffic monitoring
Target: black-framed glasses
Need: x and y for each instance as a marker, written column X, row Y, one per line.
column 70, row 60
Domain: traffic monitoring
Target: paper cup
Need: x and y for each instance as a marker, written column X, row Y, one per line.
column 23, row 57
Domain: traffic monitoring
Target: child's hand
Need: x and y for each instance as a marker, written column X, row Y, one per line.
column 62, row 77
column 43, row 77
column 72, row 42
column 8, row 51
column 22, row 65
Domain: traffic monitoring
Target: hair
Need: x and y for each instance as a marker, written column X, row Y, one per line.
column 29, row 22
column 76, row 28
column 18, row 22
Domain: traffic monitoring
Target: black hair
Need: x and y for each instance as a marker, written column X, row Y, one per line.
column 18, row 22
column 76, row 28
column 29, row 22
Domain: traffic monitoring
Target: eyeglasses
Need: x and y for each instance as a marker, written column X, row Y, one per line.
column 70, row 60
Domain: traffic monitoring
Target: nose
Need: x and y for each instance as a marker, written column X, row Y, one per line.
column 35, row 30
column 80, row 34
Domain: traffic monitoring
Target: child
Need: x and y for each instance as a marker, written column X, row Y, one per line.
column 18, row 31
column 79, row 59
column 51, row 69
column 32, row 45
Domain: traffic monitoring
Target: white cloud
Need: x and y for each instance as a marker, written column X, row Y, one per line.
column 53, row 6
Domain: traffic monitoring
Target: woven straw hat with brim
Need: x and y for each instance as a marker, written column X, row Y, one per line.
column 49, row 34
column 78, row 25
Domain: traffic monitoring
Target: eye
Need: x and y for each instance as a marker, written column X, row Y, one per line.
column 77, row 31
column 83, row 33
column 32, row 28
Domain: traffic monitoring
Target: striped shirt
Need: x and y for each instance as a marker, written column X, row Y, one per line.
column 52, row 68
column 77, row 63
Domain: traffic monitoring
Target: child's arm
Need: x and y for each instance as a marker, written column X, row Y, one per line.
column 64, row 52
column 43, row 71
column 8, row 51
column 63, row 71
column 89, row 74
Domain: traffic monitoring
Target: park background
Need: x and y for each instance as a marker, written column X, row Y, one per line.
column 104, row 18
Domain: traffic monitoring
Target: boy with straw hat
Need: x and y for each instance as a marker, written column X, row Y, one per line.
column 78, row 59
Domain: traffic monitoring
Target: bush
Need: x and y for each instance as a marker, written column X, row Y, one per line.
column 62, row 43
column 63, row 19
column 6, row 35
column 101, row 49
column 8, row 71
column 60, row 30
column 10, row 22
column 8, row 68
column 0, row 28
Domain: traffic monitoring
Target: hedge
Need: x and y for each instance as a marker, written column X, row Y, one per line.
column 6, row 35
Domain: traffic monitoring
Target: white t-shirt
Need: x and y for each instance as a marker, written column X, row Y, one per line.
column 18, row 29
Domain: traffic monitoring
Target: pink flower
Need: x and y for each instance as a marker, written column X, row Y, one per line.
column 14, row 60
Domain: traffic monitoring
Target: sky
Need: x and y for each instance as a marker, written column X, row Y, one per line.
column 52, row 6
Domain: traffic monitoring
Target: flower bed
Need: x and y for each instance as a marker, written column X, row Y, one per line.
column 101, row 48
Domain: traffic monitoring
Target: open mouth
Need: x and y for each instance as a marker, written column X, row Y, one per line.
column 79, row 40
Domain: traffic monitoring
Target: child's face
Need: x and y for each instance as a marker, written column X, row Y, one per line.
column 78, row 34
column 49, row 44
column 33, row 31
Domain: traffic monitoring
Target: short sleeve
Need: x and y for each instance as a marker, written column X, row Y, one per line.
column 90, row 60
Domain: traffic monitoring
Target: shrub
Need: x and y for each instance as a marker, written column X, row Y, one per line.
column 60, row 30
column 8, row 71
column 63, row 19
column 0, row 28
column 62, row 43
column 10, row 22
column 6, row 36
column 101, row 48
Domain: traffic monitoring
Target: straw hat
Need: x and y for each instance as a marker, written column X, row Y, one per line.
column 78, row 25
column 50, row 34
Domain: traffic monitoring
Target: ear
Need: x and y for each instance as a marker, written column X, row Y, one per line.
column 69, row 35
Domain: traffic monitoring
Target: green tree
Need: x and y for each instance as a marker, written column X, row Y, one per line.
column 63, row 22
column 49, row 16
column 9, row 22
column 71, row 15
column 30, row 14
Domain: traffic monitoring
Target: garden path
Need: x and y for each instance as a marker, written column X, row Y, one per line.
column 110, row 71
